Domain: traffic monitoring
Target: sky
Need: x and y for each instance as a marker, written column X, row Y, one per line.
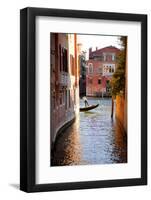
column 99, row 41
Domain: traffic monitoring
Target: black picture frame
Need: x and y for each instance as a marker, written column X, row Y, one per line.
column 28, row 98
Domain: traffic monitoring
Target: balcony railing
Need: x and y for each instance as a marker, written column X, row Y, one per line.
column 108, row 73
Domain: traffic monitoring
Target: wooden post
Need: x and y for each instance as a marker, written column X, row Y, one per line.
column 112, row 108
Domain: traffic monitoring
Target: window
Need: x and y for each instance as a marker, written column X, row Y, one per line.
column 107, row 69
column 60, row 57
column 66, row 94
column 90, row 68
column 113, row 57
column 65, row 59
column 99, row 81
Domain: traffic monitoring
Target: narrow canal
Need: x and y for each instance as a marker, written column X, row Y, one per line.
column 94, row 138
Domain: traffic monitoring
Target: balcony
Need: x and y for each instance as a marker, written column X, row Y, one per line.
column 64, row 79
column 108, row 73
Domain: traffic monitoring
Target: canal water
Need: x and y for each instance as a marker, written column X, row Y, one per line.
column 94, row 138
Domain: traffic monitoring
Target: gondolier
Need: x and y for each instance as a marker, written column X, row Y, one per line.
column 85, row 101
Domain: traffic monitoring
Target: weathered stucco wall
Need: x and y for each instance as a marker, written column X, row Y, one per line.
column 64, row 81
column 121, row 111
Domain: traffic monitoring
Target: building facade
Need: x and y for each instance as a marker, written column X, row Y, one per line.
column 64, row 81
column 121, row 100
column 101, row 65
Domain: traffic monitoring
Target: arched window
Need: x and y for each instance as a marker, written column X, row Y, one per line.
column 90, row 68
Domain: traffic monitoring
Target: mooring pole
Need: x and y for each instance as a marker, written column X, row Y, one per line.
column 112, row 108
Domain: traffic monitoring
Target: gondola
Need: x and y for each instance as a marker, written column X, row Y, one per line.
column 84, row 109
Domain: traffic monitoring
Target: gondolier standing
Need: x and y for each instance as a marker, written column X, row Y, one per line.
column 85, row 101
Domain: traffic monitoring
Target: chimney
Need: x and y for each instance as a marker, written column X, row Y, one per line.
column 90, row 51
column 96, row 48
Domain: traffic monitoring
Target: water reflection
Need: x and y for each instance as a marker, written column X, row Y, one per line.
column 92, row 139
column 68, row 148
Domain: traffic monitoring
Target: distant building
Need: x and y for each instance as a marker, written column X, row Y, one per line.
column 82, row 77
column 64, row 92
column 101, row 65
